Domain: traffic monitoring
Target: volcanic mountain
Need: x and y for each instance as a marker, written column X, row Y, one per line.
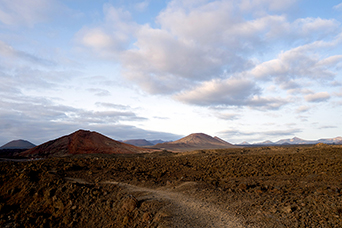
column 18, row 144
column 196, row 141
column 138, row 142
column 82, row 142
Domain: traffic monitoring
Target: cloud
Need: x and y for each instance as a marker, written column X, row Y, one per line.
column 110, row 37
column 298, row 62
column 39, row 120
column 317, row 97
column 209, row 53
column 123, row 132
column 227, row 116
column 338, row 7
column 8, row 52
column 260, row 5
column 235, row 134
column 303, row 108
column 229, row 92
column 233, row 91
column 141, row 6
column 111, row 105
column 99, row 92
column 327, row 127
column 28, row 13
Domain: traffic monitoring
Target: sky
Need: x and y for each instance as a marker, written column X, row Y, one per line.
column 242, row 70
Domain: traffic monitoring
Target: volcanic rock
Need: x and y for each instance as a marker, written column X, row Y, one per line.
column 82, row 142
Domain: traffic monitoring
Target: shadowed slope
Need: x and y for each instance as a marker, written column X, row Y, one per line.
column 18, row 144
column 82, row 142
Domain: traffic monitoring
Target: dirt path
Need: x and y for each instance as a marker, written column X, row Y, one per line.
column 185, row 210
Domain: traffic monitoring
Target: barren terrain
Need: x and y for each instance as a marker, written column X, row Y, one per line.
column 238, row 187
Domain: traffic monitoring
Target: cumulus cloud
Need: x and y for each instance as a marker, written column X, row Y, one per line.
column 317, row 97
column 298, row 62
column 110, row 37
column 206, row 52
column 231, row 91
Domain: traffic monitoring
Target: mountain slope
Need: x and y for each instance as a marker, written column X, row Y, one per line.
column 138, row 142
column 18, row 144
column 82, row 142
column 195, row 141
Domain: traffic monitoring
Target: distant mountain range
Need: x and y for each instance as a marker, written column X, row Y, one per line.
column 297, row 141
column 18, row 144
column 142, row 142
column 196, row 141
column 90, row 142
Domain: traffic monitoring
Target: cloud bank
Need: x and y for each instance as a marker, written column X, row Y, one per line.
column 218, row 53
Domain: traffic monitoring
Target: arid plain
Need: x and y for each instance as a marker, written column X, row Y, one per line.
column 287, row 186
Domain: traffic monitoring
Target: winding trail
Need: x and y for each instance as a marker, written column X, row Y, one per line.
column 186, row 211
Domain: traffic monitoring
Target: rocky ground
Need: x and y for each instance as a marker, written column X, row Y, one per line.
column 245, row 187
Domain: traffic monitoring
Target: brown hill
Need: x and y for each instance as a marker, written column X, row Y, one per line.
column 82, row 142
column 196, row 141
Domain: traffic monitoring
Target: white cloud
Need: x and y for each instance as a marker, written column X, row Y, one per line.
column 227, row 116
column 10, row 53
column 338, row 7
column 111, row 36
column 228, row 92
column 206, row 52
column 260, row 5
column 141, row 6
column 303, row 108
column 317, row 97
column 28, row 13
column 99, row 92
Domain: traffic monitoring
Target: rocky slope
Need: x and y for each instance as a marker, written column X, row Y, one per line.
column 82, row 142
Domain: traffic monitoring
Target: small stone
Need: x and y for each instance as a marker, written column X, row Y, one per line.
column 129, row 204
column 146, row 217
column 287, row 209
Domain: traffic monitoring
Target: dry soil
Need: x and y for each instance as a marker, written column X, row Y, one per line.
column 246, row 187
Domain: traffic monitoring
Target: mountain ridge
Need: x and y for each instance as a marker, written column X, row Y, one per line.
column 297, row 141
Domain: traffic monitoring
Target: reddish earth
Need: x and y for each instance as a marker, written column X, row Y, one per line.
column 82, row 142
column 294, row 186
column 195, row 141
